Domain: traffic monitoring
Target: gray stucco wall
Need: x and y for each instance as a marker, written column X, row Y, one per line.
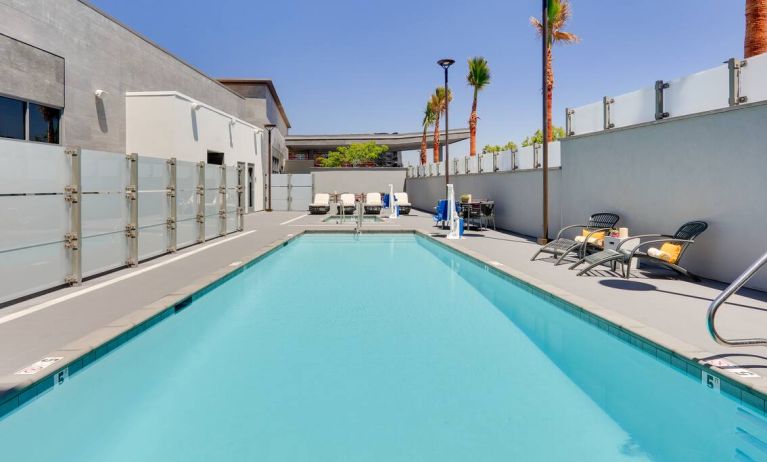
column 517, row 195
column 30, row 73
column 101, row 54
column 358, row 180
column 710, row 167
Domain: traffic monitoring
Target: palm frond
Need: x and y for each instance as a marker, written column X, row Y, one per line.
column 537, row 24
column 479, row 72
column 566, row 37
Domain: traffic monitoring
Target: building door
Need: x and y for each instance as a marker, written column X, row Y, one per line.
column 251, row 184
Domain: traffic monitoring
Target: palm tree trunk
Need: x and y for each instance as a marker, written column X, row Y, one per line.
column 436, row 138
column 549, row 93
column 473, row 126
column 756, row 28
column 423, row 146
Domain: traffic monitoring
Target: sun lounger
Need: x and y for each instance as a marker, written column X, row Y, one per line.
column 373, row 203
column 347, row 202
column 592, row 234
column 321, row 204
column 668, row 251
column 402, row 200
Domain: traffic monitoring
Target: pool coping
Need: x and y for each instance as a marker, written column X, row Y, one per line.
column 17, row 390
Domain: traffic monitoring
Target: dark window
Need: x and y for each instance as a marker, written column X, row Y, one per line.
column 44, row 123
column 11, row 118
column 215, row 158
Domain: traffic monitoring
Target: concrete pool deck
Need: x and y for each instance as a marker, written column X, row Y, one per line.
column 674, row 308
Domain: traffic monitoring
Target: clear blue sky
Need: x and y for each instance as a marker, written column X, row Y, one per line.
column 344, row 66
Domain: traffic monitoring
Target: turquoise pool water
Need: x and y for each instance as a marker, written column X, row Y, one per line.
column 386, row 348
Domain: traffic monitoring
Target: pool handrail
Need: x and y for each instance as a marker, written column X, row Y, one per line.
column 722, row 297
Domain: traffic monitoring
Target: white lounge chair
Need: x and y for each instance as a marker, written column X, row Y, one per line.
column 373, row 203
column 321, row 204
column 402, row 200
column 347, row 202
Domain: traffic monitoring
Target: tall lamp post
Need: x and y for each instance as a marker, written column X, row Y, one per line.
column 269, row 128
column 544, row 238
column 446, row 63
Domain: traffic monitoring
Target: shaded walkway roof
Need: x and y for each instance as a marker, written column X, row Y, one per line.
column 395, row 141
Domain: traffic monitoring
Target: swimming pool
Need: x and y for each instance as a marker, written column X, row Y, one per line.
column 382, row 347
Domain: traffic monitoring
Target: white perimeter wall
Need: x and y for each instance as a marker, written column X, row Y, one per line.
column 358, row 180
column 163, row 124
column 656, row 176
column 517, row 196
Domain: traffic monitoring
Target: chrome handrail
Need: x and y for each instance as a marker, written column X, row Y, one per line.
column 726, row 293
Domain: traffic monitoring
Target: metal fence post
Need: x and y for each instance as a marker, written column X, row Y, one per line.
column 201, row 202
column 222, row 201
column 131, row 194
column 172, row 205
column 569, row 121
column 495, row 162
column 660, row 110
column 514, row 160
column 240, row 196
column 73, row 197
column 536, row 163
column 607, row 117
column 734, row 66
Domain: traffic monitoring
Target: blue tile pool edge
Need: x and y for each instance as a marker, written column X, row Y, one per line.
column 14, row 398
column 742, row 393
column 739, row 391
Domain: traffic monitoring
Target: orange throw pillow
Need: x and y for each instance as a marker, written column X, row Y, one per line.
column 671, row 252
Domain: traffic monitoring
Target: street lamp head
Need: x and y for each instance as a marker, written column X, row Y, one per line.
column 445, row 63
column 269, row 126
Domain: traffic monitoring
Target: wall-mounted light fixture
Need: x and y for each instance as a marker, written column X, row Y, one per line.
column 100, row 94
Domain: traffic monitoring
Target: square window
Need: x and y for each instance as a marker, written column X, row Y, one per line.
column 44, row 123
column 11, row 118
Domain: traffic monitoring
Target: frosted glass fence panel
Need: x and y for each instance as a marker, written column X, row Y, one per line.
column 103, row 253
column 153, row 207
column 555, row 154
column 525, row 158
column 186, row 233
column 212, row 201
column 587, row 119
column 505, row 160
column 186, row 203
column 486, row 162
column 473, row 164
column 633, row 108
column 753, row 77
column 698, row 92
column 104, row 172
column 33, row 168
column 31, row 270
column 232, row 198
column 104, row 213
column 32, row 220
column 152, row 241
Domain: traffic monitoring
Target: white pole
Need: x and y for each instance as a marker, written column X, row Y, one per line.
column 392, row 207
column 452, row 217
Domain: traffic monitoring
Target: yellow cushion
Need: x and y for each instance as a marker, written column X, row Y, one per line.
column 670, row 252
column 596, row 238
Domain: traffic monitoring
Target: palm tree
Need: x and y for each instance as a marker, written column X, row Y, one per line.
column 559, row 14
column 439, row 102
column 478, row 77
column 756, row 28
column 428, row 120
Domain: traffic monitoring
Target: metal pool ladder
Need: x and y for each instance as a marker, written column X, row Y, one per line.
column 358, row 221
column 726, row 293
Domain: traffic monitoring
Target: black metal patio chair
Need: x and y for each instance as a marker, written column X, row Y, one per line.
column 683, row 238
column 560, row 247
